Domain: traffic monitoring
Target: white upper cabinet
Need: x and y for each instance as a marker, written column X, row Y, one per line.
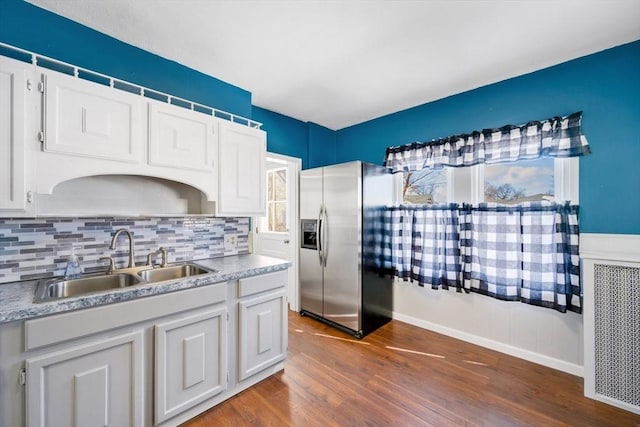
column 88, row 119
column 241, row 181
column 13, row 124
column 92, row 129
column 180, row 138
column 57, row 128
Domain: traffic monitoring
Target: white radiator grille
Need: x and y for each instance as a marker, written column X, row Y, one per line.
column 617, row 332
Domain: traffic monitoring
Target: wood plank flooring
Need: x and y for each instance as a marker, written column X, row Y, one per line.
column 402, row 375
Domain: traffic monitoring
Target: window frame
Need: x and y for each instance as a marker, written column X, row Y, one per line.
column 270, row 202
column 466, row 184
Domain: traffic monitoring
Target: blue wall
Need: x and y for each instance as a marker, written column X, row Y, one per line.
column 322, row 146
column 605, row 86
column 284, row 135
column 314, row 144
column 31, row 28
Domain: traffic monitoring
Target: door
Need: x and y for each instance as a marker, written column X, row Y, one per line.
column 262, row 333
column 276, row 234
column 13, row 116
column 91, row 120
column 181, row 138
column 342, row 245
column 311, row 290
column 241, row 186
column 96, row 384
column 191, row 361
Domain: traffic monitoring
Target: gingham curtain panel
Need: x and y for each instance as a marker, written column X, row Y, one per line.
column 425, row 244
column 527, row 252
column 554, row 137
column 376, row 243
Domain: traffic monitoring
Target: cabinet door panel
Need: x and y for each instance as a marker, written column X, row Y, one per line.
column 87, row 119
column 242, row 170
column 191, row 363
column 97, row 384
column 262, row 333
column 12, row 135
column 180, row 138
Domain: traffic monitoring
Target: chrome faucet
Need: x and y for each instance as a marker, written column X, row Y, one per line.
column 113, row 244
column 162, row 252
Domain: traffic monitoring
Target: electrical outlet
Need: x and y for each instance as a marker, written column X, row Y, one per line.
column 230, row 242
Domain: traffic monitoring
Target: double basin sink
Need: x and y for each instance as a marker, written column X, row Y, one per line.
column 53, row 289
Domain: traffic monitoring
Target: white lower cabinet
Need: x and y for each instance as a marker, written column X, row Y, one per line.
column 191, row 362
column 156, row 361
column 262, row 323
column 262, row 333
column 95, row 384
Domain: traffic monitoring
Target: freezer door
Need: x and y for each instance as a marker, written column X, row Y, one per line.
column 310, row 268
column 342, row 246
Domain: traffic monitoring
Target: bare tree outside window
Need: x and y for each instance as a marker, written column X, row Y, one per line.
column 426, row 186
column 277, row 200
column 521, row 181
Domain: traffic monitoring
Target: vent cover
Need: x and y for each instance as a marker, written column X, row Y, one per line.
column 616, row 311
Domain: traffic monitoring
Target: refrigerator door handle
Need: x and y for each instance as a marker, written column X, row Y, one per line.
column 319, row 235
column 325, row 237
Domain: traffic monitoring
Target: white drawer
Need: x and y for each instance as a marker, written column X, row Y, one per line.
column 264, row 282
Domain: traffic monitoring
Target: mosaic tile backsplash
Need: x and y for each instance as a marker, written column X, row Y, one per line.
column 39, row 248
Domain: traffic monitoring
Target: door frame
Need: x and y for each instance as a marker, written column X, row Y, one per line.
column 293, row 188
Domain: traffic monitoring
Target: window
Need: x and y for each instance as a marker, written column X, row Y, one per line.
column 506, row 183
column 425, row 186
column 552, row 179
column 277, row 200
column 521, row 181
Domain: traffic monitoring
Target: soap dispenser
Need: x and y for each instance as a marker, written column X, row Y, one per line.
column 73, row 270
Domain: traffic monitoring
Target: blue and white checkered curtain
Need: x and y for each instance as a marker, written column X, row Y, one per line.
column 554, row 137
column 425, row 245
column 525, row 253
column 376, row 243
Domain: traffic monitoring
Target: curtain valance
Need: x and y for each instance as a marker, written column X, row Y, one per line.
column 554, row 137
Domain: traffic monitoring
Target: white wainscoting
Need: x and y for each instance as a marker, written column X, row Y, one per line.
column 537, row 334
column 540, row 335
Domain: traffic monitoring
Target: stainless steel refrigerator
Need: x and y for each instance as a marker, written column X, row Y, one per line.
column 336, row 284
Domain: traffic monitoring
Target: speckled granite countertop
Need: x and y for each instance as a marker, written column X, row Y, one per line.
column 16, row 299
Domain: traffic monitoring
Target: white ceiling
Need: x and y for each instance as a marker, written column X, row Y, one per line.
column 339, row 63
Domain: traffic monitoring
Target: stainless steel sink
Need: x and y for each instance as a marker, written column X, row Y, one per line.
column 172, row 272
column 61, row 288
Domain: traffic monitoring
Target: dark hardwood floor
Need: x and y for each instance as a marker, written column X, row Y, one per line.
column 402, row 375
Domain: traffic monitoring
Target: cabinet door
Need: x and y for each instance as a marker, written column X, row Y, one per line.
column 191, row 362
column 12, row 134
column 88, row 119
column 180, row 138
column 97, row 384
column 242, row 170
column 262, row 333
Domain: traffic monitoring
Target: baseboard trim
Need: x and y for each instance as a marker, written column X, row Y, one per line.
column 530, row 356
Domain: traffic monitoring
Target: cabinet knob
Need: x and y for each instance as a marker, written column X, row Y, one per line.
column 286, row 242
